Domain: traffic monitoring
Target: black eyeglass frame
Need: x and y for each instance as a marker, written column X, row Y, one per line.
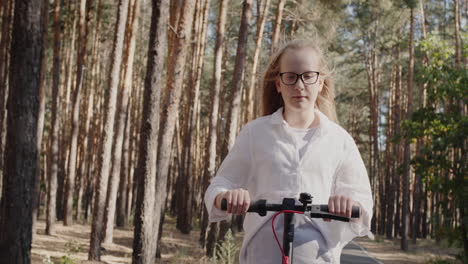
column 299, row 76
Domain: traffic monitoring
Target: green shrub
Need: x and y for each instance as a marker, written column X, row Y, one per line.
column 228, row 251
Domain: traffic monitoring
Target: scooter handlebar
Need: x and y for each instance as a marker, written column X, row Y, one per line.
column 316, row 210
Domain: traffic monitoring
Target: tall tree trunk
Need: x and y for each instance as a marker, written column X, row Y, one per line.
column 65, row 135
column 235, row 107
column 417, row 197
column 252, row 91
column 40, row 121
column 108, row 133
column 85, row 148
column 121, row 218
column 122, row 117
column 144, row 243
column 55, row 126
column 171, row 111
column 394, row 220
column 21, row 154
column 372, row 79
column 277, row 27
column 212, row 135
column 239, row 69
column 184, row 219
column 7, row 22
column 81, row 62
column 458, row 45
column 407, row 157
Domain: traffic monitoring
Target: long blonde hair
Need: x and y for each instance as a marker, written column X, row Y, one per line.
column 272, row 100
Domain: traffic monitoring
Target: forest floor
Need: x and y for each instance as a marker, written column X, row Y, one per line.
column 71, row 244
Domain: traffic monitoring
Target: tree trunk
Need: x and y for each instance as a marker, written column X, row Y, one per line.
column 40, row 121
column 277, row 27
column 144, row 243
column 108, row 133
column 234, row 110
column 189, row 179
column 212, row 136
column 252, row 91
column 83, row 30
column 407, row 157
column 211, row 239
column 458, row 45
column 21, row 154
column 121, row 218
column 417, row 198
column 122, row 117
column 55, row 126
column 7, row 22
column 171, row 110
column 392, row 187
column 239, row 68
column 65, row 135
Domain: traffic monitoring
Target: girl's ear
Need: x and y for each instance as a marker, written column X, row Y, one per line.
column 278, row 85
column 321, row 83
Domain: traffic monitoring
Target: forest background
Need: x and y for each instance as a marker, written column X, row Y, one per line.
column 117, row 113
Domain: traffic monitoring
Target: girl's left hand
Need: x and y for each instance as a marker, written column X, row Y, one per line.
column 340, row 205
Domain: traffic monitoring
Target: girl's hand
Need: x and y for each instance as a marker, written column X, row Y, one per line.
column 238, row 201
column 340, row 205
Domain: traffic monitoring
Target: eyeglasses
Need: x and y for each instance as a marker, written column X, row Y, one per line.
column 290, row 78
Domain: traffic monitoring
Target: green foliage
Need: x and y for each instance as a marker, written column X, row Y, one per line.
column 47, row 260
column 227, row 252
column 66, row 260
column 72, row 248
column 442, row 127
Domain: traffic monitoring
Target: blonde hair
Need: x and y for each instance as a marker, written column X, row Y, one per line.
column 272, row 100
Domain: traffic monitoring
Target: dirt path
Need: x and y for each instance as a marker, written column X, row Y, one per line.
column 73, row 242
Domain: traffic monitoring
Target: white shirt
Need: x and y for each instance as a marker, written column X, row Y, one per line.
column 265, row 161
column 302, row 137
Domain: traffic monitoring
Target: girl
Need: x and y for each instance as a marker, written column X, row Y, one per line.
column 295, row 147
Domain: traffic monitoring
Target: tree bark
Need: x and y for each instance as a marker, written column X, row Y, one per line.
column 108, row 133
column 407, row 157
column 277, row 27
column 212, row 136
column 171, row 111
column 252, row 91
column 144, row 243
column 7, row 22
column 184, row 219
column 81, row 62
column 121, row 218
column 21, row 154
column 55, row 125
column 120, row 128
column 40, row 122
column 458, row 45
column 235, row 108
column 239, row 68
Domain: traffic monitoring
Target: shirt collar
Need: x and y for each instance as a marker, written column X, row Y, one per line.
column 277, row 119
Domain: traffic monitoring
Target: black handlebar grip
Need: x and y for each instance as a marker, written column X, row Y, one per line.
column 354, row 211
column 224, row 204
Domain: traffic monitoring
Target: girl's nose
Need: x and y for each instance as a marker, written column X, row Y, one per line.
column 299, row 85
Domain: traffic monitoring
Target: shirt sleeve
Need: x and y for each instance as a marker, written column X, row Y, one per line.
column 351, row 180
column 232, row 174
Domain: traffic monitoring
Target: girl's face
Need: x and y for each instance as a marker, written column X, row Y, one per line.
column 301, row 95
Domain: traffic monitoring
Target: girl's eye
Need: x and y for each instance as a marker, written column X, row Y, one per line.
column 308, row 75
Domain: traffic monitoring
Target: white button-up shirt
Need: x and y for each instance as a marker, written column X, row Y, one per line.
column 265, row 161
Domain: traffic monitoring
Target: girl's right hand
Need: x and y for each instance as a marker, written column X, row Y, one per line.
column 238, row 201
